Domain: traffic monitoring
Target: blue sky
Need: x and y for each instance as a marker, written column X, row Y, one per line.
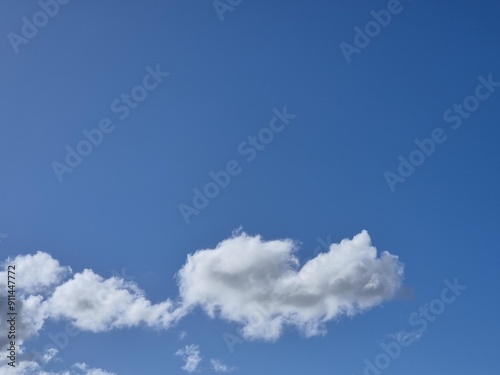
column 322, row 178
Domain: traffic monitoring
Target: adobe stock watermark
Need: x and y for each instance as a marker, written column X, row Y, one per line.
column 421, row 318
column 363, row 37
column 122, row 107
column 231, row 341
column 455, row 115
column 248, row 149
column 30, row 26
column 223, row 6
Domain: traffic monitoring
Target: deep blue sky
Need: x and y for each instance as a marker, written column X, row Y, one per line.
column 322, row 176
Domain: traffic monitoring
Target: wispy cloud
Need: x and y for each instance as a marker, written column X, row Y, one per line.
column 411, row 336
column 219, row 366
column 191, row 356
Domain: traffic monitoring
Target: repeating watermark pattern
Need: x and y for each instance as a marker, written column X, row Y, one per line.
column 30, row 27
column 363, row 37
column 122, row 107
column 426, row 314
column 249, row 150
column 223, row 6
column 455, row 115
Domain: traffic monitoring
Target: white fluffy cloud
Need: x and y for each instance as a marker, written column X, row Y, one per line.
column 260, row 284
column 191, row 356
column 87, row 300
column 35, row 273
column 90, row 302
column 96, row 304
column 31, row 308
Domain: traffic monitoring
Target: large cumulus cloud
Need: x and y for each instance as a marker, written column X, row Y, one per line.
column 260, row 284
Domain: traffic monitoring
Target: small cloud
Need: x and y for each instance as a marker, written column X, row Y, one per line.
column 85, row 370
column 219, row 366
column 49, row 355
column 191, row 356
column 403, row 336
column 182, row 335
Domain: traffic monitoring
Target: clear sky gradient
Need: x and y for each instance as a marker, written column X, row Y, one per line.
column 324, row 175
